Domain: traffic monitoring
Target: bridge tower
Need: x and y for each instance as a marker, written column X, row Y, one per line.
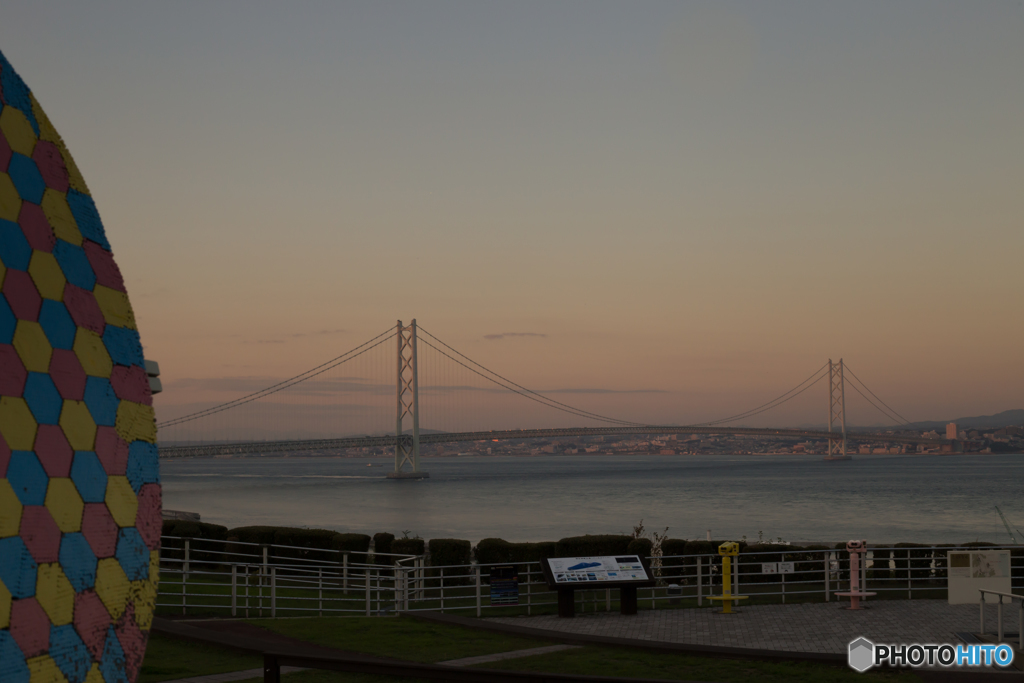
column 836, row 412
column 407, row 446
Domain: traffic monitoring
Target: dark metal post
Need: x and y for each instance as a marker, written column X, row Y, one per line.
column 271, row 669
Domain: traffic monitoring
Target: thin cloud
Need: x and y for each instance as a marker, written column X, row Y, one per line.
column 514, row 334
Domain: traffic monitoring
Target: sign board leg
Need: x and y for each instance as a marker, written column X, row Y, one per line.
column 566, row 603
column 627, row 600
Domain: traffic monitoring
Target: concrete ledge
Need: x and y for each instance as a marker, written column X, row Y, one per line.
column 408, row 475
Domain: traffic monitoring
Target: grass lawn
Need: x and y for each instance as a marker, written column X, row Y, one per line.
column 170, row 658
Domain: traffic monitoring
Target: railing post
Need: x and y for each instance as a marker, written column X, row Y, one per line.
column 405, row 587
column 184, row 579
column 982, row 630
column 478, row 603
column 999, row 620
column 1020, row 626
column 234, row 590
column 442, row 591
column 700, row 597
column 366, row 583
column 344, row 571
column 529, row 596
column 320, row 591
column 273, row 591
column 271, row 669
column 607, row 599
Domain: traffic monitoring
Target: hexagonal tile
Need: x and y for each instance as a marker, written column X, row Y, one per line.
column 101, row 400
column 40, row 533
column 89, row 477
column 26, row 178
column 114, row 304
column 17, row 425
column 12, row 661
column 32, row 345
column 112, row 586
column 5, row 610
column 51, row 165
column 43, row 398
column 78, row 561
column 7, row 319
column 113, row 662
column 5, row 152
column 75, row 264
column 10, row 201
column 84, row 309
column 12, row 372
column 55, row 594
column 92, row 353
column 112, row 450
column 100, row 529
column 28, row 478
column 148, row 519
column 36, row 228
column 78, row 426
column 88, row 218
column 15, row 248
column 133, row 554
column 143, row 598
column 124, row 345
column 136, row 422
column 53, row 450
column 102, row 262
column 17, row 568
column 68, row 374
column 21, row 295
column 30, row 626
column 5, row 457
column 91, row 621
column 131, row 384
column 65, row 504
column 70, row 654
column 10, row 510
column 46, row 275
column 143, row 464
column 121, row 501
column 58, row 215
column 132, row 640
column 57, row 324
column 18, row 131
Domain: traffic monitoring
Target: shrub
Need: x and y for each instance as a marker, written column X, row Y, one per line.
column 640, row 546
column 880, row 567
column 919, row 562
column 448, row 552
column 174, row 549
column 357, row 546
column 672, row 567
column 750, row 565
column 382, row 544
column 188, row 529
column 408, row 546
column 499, row 551
column 584, row 546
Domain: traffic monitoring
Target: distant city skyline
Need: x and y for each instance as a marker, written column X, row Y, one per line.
column 689, row 206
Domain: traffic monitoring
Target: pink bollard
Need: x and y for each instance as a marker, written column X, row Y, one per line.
column 856, row 550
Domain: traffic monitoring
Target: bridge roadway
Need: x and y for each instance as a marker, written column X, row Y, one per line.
column 509, row 434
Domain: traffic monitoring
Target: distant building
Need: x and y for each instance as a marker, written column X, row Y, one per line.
column 951, row 430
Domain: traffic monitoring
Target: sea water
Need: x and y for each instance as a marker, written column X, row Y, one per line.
column 798, row 498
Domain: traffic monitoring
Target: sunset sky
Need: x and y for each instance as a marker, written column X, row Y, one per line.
column 705, row 199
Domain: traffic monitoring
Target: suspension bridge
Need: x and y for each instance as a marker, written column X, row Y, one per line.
column 208, row 431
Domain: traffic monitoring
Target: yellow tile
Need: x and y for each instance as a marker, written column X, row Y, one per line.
column 154, row 567
column 32, row 346
column 121, row 501
column 143, row 598
column 18, row 131
column 55, row 593
column 5, row 606
column 112, row 586
column 64, row 504
column 16, row 423
column 10, row 511
column 95, row 675
column 47, row 275
column 135, row 421
column 49, row 133
column 116, row 309
column 55, row 206
column 10, row 200
column 92, row 354
column 78, row 426
column 43, row 669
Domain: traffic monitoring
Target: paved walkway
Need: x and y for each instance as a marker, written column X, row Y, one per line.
column 514, row 654
column 815, row 627
column 233, row 676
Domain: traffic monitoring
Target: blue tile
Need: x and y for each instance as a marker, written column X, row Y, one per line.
column 16, row 93
column 123, row 345
column 143, row 465
column 7, row 322
column 112, row 664
column 75, row 264
column 26, row 178
column 89, row 477
column 57, row 324
column 69, row 653
column 12, row 661
column 27, row 477
column 17, row 569
column 78, row 561
column 101, row 401
column 43, row 398
column 15, row 251
column 88, row 218
column 132, row 554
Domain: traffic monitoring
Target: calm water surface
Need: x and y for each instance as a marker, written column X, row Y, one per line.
column 930, row 498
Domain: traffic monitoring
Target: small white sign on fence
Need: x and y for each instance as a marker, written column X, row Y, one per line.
column 769, row 567
column 785, row 567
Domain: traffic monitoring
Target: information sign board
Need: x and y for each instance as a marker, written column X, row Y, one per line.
column 777, row 567
column 970, row 570
column 573, row 571
column 504, row 586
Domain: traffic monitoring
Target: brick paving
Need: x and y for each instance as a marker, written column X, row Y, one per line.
column 813, row 627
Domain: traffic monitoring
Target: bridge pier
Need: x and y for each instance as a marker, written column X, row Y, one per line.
column 407, row 447
column 836, row 412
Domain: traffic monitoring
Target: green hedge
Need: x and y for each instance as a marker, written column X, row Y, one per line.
column 750, row 565
column 202, row 555
column 586, row 546
column 188, row 529
column 672, row 569
column 880, row 566
column 308, row 544
column 357, row 546
column 408, row 546
column 918, row 561
column 640, row 546
column 448, row 552
column 500, row 551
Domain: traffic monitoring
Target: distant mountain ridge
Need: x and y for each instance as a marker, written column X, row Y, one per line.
column 1003, row 419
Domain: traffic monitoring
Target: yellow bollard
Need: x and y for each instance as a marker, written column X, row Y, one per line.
column 727, row 551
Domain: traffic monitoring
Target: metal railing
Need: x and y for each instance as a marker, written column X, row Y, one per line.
column 999, row 616
column 202, row 576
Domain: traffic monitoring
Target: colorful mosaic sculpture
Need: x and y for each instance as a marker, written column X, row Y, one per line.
column 79, row 481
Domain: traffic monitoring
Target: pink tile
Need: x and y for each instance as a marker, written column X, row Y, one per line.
column 91, row 621
column 111, row 450
column 131, row 384
column 102, row 262
column 36, row 228
column 5, row 152
column 132, row 639
column 67, row 374
column 22, row 295
column 99, row 529
column 30, row 626
column 5, row 455
column 40, row 533
column 83, row 308
column 53, row 450
column 12, row 373
column 148, row 519
column 51, row 165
